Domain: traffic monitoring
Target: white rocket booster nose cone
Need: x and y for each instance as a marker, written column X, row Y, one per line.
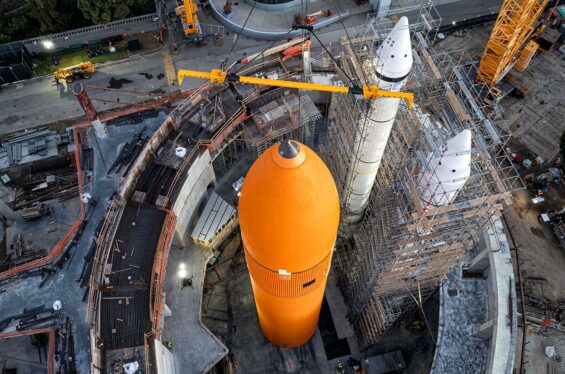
column 448, row 171
column 394, row 56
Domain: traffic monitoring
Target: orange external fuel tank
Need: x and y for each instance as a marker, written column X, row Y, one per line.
column 289, row 216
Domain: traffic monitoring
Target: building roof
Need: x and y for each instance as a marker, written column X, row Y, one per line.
column 215, row 215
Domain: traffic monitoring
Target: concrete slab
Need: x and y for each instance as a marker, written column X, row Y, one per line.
column 18, row 353
column 252, row 352
column 464, row 305
column 339, row 309
column 195, row 348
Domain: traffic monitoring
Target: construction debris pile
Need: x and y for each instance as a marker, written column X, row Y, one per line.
column 51, row 333
column 19, row 252
column 37, row 166
column 129, row 153
column 38, row 180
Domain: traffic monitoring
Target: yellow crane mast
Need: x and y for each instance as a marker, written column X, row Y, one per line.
column 513, row 27
column 368, row 91
column 188, row 13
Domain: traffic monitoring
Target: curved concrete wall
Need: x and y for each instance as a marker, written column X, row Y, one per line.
column 270, row 35
column 149, row 150
column 194, row 189
column 503, row 311
column 278, row 7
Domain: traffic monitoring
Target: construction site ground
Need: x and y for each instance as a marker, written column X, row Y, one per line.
column 535, row 121
column 26, row 292
column 540, row 252
column 45, row 232
column 540, row 258
column 18, row 353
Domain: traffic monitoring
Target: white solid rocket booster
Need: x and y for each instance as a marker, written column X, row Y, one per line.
column 447, row 170
column 389, row 71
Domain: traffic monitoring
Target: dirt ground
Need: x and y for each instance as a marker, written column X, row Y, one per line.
column 540, row 258
column 540, row 254
column 536, row 362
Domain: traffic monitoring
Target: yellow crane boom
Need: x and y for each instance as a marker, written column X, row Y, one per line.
column 188, row 13
column 368, row 91
column 512, row 29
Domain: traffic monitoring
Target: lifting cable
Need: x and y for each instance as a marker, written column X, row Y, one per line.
column 420, row 303
column 304, row 8
column 305, row 28
column 264, row 50
column 348, row 38
column 310, row 29
column 237, row 35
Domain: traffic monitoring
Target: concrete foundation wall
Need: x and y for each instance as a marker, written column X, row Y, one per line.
column 193, row 192
column 139, row 165
column 164, row 360
column 96, row 357
column 502, row 295
column 270, row 34
column 478, row 317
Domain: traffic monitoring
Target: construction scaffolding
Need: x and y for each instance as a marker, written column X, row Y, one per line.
column 275, row 113
column 404, row 247
column 281, row 113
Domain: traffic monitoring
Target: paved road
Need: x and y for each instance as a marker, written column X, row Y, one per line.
column 38, row 102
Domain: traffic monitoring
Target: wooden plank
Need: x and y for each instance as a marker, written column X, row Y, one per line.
column 355, row 62
column 455, row 104
column 431, row 64
column 473, row 203
column 415, row 195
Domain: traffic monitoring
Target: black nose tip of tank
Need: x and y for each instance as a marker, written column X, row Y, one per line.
column 289, row 149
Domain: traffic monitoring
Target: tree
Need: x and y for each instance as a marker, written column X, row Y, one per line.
column 104, row 11
column 18, row 25
column 4, row 38
column 52, row 15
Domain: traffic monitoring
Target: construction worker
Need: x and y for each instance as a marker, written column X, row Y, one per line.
column 186, row 282
column 339, row 368
column 169, row 345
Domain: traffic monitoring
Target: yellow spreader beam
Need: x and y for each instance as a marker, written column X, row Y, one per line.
column 368, row 91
